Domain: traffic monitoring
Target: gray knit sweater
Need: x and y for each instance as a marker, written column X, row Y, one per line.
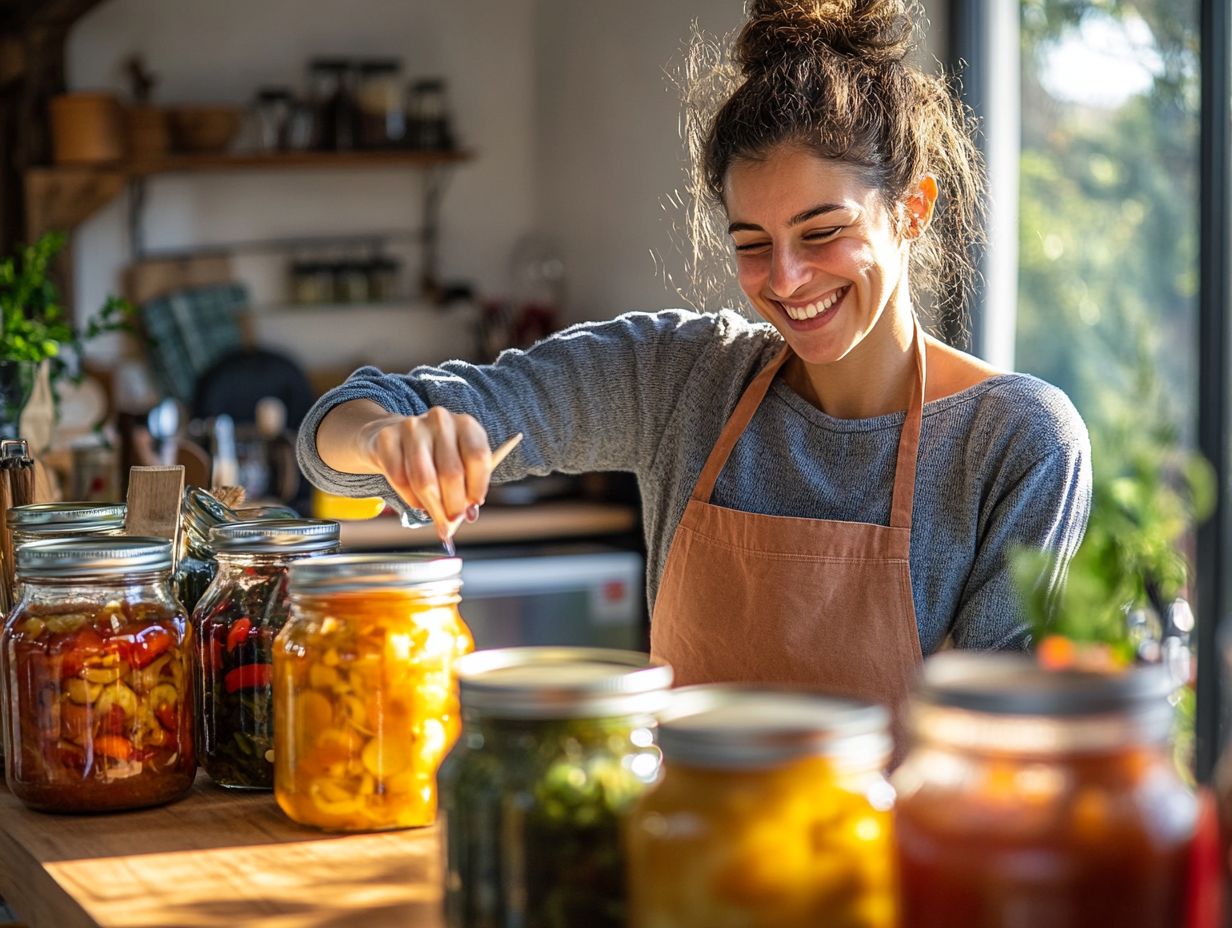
column 1006, row 461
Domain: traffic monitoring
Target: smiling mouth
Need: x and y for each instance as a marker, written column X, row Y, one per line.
column 817, row 308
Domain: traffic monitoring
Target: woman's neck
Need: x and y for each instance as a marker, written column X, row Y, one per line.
column 874, row 379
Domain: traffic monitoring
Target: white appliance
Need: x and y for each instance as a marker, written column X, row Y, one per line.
column 588, row 595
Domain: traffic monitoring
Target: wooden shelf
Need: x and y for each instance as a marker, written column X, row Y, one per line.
column 63, row 196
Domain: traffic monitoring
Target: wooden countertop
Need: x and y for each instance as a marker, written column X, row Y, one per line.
column 500, row 524
column 216, row 857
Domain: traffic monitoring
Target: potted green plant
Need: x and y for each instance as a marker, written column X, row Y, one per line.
column 37, row 327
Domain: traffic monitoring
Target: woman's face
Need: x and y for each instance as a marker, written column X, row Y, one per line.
column 816, row 250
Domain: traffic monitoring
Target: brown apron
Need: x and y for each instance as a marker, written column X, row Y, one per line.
column 807, row 603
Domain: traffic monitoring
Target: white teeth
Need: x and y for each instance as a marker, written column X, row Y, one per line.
column 800, row 313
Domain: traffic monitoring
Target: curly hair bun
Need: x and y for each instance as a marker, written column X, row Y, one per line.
column 872, row 33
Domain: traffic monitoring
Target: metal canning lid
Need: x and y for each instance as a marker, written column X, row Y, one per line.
column 561, row 683
column 1010, row 684
column 274, row 536
column 58, row 518
column 738, row 726
column 343, row 573
column 92, row 556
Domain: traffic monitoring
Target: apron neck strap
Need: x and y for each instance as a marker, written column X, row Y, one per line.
column 908, row 442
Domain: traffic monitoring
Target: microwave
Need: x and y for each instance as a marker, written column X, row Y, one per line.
column 586, row 595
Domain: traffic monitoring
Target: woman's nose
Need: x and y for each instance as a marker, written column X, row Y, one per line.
column 788, row 272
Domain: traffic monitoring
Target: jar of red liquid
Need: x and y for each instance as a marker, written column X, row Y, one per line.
column 1036, row 797
column 95, row 659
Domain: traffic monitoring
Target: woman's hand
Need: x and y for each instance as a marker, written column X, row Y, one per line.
column 439, row 462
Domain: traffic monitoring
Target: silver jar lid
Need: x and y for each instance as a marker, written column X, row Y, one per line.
column 92, row 556
column 58, row 518
column 274, row 536
column 561, row 683
column 1016, row 684
column 345, row 573
column 736, row 726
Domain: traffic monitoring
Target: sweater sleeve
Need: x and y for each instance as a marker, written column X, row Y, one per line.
column 593, row 397
column 1045, row 507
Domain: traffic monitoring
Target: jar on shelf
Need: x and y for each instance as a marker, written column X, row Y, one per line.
column 383, row 279
column 557, row 744
column 1040, row 797
column 312, row 283
column 351, row 282
column 272, row 109
column 428, row 119
column 382, row 116
column 773, row 811
column 333, row 95
column 235, row 623
column 365, row 696
column 96, row 662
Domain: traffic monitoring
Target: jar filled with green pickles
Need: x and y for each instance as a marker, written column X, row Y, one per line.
column 235, row 624
column 556, row 746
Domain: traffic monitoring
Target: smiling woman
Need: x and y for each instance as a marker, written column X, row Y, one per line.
column 828, row 493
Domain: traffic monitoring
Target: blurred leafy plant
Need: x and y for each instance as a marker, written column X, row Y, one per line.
column 36, row 326
column 1148, row 494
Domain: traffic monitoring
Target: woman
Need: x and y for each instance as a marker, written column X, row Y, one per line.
column 829, row 493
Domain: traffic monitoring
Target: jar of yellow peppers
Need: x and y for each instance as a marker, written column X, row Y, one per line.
column 365, row 696
column 772, row 812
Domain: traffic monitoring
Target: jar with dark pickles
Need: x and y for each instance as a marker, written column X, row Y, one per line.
column 199, row 513
column 235, row 622
column 365, row 696
column 96, row 663
column 1040, row 797
column 557, row 744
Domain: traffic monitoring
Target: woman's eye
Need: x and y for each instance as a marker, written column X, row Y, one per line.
column 818, row 235
column 751, row 247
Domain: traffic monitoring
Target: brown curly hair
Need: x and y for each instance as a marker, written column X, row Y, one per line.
column 831, row 76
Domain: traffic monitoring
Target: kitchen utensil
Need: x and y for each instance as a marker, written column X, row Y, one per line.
column 417, row 518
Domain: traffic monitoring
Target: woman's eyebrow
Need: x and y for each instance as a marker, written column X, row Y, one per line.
column 793, row 221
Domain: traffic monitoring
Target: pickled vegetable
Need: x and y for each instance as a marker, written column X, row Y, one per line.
column 783, row 847
column 99, row 708
column 535, row 811
column 236, row 623
column 365, row 707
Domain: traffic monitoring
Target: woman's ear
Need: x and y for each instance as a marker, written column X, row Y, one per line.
column 919, row 205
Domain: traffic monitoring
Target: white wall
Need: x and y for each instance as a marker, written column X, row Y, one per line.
column 566, row 103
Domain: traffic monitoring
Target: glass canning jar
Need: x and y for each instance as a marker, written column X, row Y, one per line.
column 365, row 697
column 556, row 745
column 199, row 512
column 95, row 658
column 1037, row 797
column 773, row 811
column 235, row 623
column 43, row 521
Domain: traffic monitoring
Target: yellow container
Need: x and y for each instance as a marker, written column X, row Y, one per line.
column 365, row 694
column 345, row 508
column 773, row 812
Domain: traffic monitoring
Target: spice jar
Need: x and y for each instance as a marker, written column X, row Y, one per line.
column 556, row 745
column 772, row 812
column 365, row 699
column 235, row 623
column 1036, row 797
column 95, row 658
column 382, row 116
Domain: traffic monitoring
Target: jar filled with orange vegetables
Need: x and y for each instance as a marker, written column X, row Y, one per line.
column 365, row 694
column 96, row 661
column 1040, row 797
column 772, row 812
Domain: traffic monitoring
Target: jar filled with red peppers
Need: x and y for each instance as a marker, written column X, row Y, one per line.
column 96, row 663
column 235, row 622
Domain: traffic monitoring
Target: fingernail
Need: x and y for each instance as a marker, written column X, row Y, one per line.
column 472, row 512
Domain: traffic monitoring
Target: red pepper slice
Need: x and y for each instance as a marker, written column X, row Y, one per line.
column 149, row 645
column 113, row 746
column 238, row 633
column 248, row 677
column 76, row 648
